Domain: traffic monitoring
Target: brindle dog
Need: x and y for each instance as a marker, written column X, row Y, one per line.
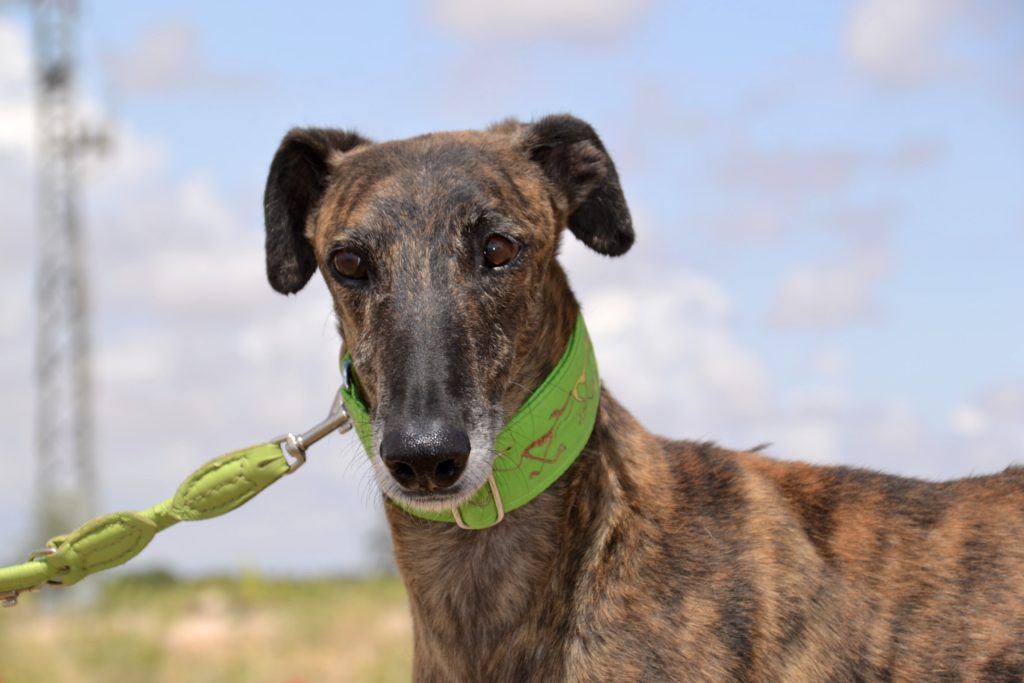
column 650, row 559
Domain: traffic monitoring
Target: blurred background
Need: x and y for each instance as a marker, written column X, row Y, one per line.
column 829, row 202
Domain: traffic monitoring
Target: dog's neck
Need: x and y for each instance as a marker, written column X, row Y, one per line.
column 468, row 588
column 508, row 592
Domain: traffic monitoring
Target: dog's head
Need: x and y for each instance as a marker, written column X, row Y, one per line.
column 439, row 253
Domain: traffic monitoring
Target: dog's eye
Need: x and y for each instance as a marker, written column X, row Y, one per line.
column 499, row 250
column 349, row 264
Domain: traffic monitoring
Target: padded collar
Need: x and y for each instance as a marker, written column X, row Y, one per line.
column 535, row 447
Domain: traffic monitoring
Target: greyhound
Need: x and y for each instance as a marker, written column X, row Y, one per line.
column 635, row 558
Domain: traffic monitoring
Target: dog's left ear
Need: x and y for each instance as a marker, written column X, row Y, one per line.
column 295, row 185
column 576, row 162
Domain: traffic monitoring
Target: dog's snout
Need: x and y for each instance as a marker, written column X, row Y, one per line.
column 426, row 459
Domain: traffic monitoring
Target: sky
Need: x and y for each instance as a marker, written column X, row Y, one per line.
column 828, row 198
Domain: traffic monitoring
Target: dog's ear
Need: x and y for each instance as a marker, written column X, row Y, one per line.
column 295, row 185
column 576, row 162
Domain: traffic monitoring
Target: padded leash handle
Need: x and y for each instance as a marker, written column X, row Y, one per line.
column 218, row 487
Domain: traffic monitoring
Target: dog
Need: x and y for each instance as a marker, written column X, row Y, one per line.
column 646, row 559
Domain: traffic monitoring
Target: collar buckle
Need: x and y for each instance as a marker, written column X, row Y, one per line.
column 496, row 496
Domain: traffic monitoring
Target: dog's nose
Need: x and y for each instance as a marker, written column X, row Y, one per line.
column 426, row 459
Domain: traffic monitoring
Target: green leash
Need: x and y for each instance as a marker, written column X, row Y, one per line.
column 536, row 446
column 217, row 487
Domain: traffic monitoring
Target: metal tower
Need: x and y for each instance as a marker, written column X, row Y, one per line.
column 65, row 476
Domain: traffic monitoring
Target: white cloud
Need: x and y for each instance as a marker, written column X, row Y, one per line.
column 666, row 346
column 968, row 421
column 991, row 427
column 16, row 253
column 770, row 190
column 536, row 17
column 168, row 57
column 15, row 60
column 755, row 219
column 895, row 39
column 15, row 93
column 904, row 42
column 864, row 225
column 13, row 120
column 832, row 294
column 129, row 359
column 808, row 437
column 831, row 362
column 676, row 329
column 670, row 351
column 789, row 172
column 132, row 162
column 896, row 430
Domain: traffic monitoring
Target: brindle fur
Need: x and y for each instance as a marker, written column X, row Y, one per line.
column 651, row 559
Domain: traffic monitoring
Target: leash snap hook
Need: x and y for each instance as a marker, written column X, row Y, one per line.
column 295, row 445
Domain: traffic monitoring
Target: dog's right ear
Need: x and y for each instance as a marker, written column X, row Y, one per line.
column 295, row 186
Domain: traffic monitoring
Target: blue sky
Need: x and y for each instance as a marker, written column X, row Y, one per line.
column 828, row 199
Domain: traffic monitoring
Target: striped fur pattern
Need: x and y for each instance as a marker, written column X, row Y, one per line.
column 651, row 559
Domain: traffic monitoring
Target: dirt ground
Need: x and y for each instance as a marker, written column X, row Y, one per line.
column 153, row 629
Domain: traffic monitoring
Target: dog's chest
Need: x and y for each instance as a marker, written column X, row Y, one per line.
column 485, row 603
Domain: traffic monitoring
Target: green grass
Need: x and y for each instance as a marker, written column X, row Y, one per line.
column 151, row 628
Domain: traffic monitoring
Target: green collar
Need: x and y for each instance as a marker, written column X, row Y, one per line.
column 534, row 449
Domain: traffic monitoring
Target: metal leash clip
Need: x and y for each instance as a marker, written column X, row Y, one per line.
column 294, row 446
column 10, row 598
